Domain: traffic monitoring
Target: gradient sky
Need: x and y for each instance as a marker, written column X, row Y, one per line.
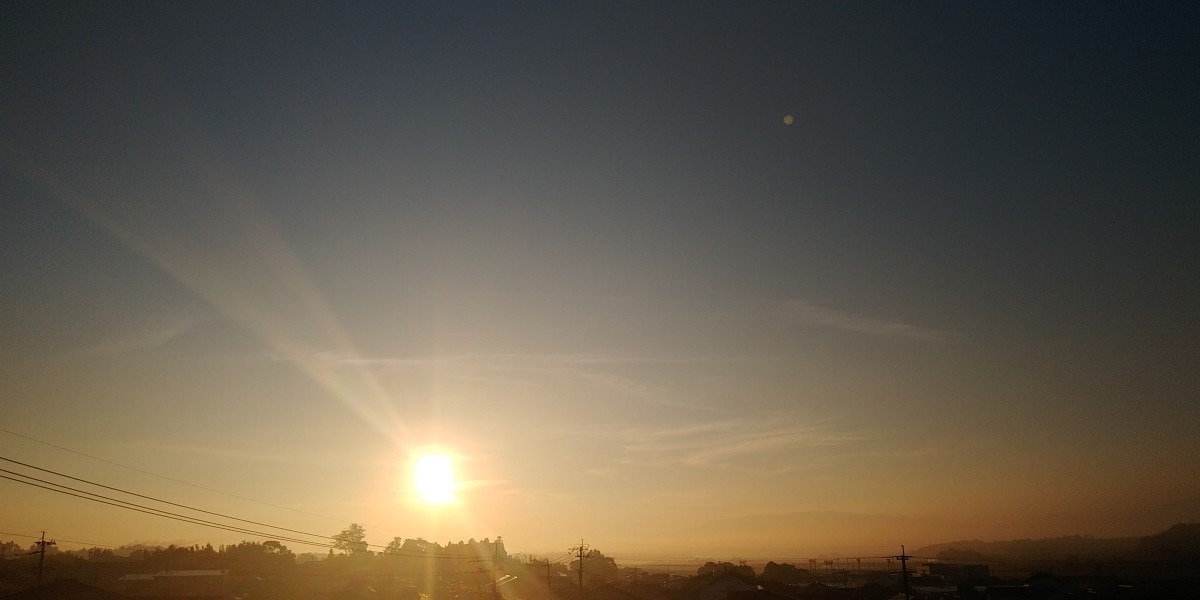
column 276, row 250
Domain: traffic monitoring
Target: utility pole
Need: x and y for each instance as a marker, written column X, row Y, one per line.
column 42, row 543
column 496, row 572
column 903, row 558
column 578, row 551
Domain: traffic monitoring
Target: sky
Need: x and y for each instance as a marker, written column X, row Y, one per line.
column 689, row 278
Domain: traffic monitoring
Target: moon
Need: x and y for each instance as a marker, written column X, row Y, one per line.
column 788, row 119
column 433, row 479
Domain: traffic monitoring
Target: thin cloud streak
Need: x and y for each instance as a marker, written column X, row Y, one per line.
column 222, row 452
column 800, row 311
column 155, row 334
column 589, row 368
column 571, row 359
column 718, row 442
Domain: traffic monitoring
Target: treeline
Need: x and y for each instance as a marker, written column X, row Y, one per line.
column 270, row 569
column 259, row 557
column 352, row 541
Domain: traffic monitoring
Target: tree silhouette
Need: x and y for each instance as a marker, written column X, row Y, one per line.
column 784, row 573
column 352, row 540
column 394, row 546
column 596, row 564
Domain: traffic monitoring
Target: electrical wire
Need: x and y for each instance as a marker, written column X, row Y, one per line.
column 89, row 544
column 166, row 478
column 102, row 499
column 149, row 510
column 25, row 535
column 207, row 512
column 171, row 479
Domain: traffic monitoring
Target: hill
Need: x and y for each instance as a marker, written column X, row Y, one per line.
column 1180, row 542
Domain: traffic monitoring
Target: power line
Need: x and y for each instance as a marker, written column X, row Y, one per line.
column 171, row 479
column 157, row 499
column 24, row 535
column 184, row 518
column 194, row 485
column 152, row 511
column 102, row 499
column 90, row 544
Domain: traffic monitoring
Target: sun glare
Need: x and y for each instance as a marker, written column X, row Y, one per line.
column 433, row 478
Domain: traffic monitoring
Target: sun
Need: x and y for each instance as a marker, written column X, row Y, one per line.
column 433, row 478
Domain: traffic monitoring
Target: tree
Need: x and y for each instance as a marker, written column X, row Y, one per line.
column 352, row 540
column 394, row 546
column 596, row 564
column 712, row 569
column 418, row 546
column 258, row 558
column 784, row 573
column 10, row 548
column 274, row 547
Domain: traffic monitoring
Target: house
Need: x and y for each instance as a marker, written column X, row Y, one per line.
column 720, row 588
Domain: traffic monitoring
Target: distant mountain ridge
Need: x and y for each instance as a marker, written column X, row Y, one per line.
column 1082, row 547
column 805, row 532
column 835, row 533
column 1180, row 542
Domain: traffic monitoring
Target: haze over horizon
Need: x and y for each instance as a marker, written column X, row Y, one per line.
column 673, row 278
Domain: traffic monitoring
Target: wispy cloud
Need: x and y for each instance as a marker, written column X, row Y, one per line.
column 602, row 371
column 149, row 334
column 801, row 311
column 515, row 358
column 236, row 454
column 718, row 442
